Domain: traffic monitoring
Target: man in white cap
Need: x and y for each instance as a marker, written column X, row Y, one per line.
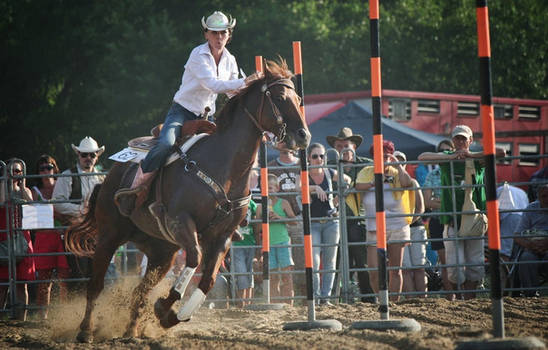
column 72, row 188
column 468, row 251
column 210, row 70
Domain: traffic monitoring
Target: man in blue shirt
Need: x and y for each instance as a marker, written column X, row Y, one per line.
column 535, row 248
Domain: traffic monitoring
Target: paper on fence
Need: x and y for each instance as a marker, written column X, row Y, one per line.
column 37, row 216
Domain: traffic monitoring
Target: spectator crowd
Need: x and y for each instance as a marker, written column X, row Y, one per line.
column 430, row 246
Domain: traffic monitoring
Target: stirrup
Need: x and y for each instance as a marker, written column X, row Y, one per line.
column 125, row 199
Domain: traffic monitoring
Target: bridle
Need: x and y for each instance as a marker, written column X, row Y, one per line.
column 275, row 111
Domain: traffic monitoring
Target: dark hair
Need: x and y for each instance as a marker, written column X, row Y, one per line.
column 387, row 147
column 445, row 142
column 229, row 34
column 541, row 188
column 315, row 145
column 45, row 159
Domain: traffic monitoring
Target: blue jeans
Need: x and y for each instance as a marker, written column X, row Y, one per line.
column 529, row 272
column 324, row 233
column 243, row 263
column 171, row 130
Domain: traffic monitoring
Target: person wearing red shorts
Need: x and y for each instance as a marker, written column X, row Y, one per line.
column 48, row 241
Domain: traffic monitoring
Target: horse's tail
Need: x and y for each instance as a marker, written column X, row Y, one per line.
column 80, row 237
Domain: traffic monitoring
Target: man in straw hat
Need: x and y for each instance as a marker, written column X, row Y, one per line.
column 77, row 187
column 210, row 70
column 346, row 143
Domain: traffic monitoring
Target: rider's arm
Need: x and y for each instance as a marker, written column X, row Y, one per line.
column 204, row 70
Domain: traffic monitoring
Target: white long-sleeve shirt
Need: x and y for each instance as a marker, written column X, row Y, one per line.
column 63, row 189
column 203, row 79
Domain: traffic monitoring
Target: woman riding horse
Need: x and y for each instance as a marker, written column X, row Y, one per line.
column 204, row 196
column 210, row 70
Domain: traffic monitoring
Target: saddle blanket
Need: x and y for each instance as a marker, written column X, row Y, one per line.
column 135, row 155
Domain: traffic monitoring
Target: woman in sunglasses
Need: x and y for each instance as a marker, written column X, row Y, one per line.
column 17, row 193
column 48, row 241
column 325, row 231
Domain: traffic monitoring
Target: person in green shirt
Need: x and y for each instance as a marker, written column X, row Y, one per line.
column 461, row 251
column 280, row 258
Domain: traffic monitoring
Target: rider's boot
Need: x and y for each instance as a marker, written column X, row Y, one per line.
column 128, row 199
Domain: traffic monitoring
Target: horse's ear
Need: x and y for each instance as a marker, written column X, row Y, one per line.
column 266, row 69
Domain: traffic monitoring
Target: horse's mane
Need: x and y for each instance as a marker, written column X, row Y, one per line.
column 273, row 70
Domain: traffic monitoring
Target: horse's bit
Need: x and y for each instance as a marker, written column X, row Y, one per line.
column 275, row 111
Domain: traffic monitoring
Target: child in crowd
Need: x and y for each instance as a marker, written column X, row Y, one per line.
column 281, row 284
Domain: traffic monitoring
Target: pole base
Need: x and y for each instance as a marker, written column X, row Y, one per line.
column 265, row 307
column 525, row 343
column 310, row 325
column 403, row 325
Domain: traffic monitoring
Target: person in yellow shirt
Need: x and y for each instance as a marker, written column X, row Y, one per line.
column 396, row 202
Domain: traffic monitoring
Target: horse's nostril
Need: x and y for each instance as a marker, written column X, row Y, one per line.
column 302, row 133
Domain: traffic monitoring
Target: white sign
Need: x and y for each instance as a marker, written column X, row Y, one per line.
column 128, row 154
column 37, row 216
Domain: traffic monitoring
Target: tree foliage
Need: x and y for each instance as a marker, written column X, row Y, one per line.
column 109, row 69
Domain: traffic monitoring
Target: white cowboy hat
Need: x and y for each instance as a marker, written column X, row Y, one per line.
column 218, row 22
column 88, row 145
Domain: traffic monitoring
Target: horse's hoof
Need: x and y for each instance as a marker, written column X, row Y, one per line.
column 160, row 309
column 84, row 337
column 170, row 320
column 131, row 333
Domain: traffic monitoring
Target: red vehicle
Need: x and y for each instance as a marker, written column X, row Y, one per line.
column 521, row 125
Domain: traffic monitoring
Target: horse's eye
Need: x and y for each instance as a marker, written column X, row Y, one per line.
column 280, row 98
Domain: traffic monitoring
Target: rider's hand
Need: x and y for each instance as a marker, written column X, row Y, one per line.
column 251, row 78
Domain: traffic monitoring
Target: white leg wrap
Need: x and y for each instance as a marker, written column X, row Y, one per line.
column 193, row 304
column 184, row 279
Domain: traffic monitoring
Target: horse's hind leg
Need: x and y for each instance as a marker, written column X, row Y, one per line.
column 160, row 258
column 104, row 250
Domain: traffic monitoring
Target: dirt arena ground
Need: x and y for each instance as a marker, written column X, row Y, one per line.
column 444, row 324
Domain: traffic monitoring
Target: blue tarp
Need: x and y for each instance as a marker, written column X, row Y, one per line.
column 359, row 118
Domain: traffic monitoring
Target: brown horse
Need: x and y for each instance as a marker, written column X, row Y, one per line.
column 204, row 198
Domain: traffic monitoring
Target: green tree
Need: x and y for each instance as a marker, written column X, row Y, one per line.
column 110, row 69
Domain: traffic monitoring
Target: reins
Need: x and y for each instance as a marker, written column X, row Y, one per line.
column 275, row 110
column 226, row 206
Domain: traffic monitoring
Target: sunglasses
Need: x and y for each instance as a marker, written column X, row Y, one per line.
column 316, row 156
column 47, row 167
column 86, row 155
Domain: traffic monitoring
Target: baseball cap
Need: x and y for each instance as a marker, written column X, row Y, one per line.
column 463, row 130
column 400, row 154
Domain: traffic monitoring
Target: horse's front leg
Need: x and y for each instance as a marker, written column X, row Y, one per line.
column 214, row 255
column 184, row 230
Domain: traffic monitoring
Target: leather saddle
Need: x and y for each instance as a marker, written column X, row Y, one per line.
column 146, row 143
column 189, row 128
